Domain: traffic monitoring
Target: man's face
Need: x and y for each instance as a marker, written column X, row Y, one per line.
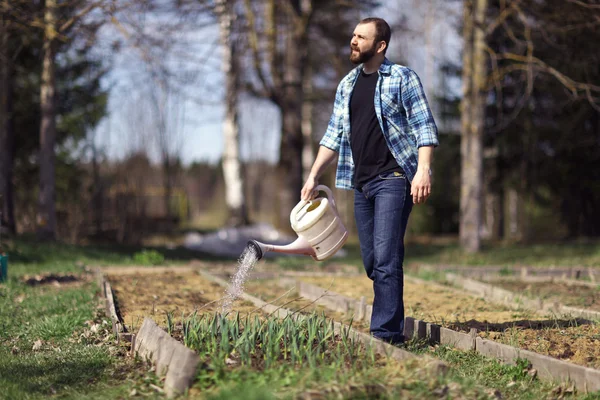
column 363, row 46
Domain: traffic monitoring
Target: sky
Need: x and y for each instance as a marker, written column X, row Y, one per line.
column 194, row 110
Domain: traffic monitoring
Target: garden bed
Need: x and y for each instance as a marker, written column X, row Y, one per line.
column 437, row 305
column 157, row 295
column 581, row 296
column 573, row 340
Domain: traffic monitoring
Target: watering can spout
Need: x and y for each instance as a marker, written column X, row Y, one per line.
column 298, row 246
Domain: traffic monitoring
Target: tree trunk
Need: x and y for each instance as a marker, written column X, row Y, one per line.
column 46, row 219
column 290, row 155
column 472, row 121
column 308, row 155
column 7, row 132
column 232, row 172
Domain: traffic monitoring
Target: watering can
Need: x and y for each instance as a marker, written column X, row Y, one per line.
column 318, row 225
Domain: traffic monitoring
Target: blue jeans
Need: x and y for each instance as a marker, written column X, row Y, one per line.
column 381, row 211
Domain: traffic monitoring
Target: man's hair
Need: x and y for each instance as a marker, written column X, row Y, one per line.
column 383, row 32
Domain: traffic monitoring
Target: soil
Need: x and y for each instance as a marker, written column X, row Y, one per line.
column 580, row 296
column 577, row 344
column 152, row 295
column 270, row 291
column 577, row 341
column 439, row 305
column 140, row 295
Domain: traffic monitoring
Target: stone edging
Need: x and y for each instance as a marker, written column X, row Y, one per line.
column 170, row 357
column 509, row 298
column 572, row 273
column 541, row 279
column 584, row 378
column 109, row 303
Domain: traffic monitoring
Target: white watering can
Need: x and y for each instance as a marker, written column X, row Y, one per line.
column 318, row 225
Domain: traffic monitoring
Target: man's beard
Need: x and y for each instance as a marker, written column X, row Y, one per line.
column 362, row 57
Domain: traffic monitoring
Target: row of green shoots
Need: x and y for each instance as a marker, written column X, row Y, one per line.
column 263, row 342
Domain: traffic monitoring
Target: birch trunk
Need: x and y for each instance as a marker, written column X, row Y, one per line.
column 234, row 187
column 46, row 218
column 472, row 124
column 307, row 128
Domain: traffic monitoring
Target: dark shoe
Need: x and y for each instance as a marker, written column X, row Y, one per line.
column 392, row 341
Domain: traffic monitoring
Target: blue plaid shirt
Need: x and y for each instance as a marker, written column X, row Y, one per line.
column 403, row 114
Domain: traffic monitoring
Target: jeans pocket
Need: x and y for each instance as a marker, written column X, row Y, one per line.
column 392, row 175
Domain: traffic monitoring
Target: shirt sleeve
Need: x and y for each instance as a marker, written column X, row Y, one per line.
column 333, row 135
column 418, row 113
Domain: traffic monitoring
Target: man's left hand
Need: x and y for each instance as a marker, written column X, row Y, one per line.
column 421, row 186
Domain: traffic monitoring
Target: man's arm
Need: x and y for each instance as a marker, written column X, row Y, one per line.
column 423, row 126
column 421, row 185
column 325, row 156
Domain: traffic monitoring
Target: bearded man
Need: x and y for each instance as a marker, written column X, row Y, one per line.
column 383, row 134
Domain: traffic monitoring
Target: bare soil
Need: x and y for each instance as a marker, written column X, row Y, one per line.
column 152, row 295
column 430, row 304
column 570, row 295
column 577, row 341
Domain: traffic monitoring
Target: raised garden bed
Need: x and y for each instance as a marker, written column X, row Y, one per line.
column 254, row 341
column 570, row 294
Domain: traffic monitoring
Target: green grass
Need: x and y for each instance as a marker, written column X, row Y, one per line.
column 510, row 381
column 67, row 365
column 28, row 256
column 64, row 365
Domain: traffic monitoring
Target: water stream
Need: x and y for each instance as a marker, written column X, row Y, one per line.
column 246, row 262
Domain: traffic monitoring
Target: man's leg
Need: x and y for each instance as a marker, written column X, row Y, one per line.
column 392, row 206
column 363, row 214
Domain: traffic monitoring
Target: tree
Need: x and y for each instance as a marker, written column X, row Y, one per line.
column 278, row 39
column 234, row 187
column 472, row 122
column 46, row 218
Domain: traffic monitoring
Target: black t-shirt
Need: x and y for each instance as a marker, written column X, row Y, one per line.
column 370, row 152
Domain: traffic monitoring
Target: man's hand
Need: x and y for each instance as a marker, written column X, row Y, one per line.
column 421, row 186
column 308, row 191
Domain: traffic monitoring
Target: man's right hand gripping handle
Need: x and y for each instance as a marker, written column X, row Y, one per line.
column 325, row 156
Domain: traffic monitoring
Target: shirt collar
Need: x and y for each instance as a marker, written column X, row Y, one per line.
column 384, row 68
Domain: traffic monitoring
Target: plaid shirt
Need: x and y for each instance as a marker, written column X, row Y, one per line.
column 403, row 114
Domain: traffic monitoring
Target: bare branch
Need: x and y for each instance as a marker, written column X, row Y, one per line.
column 78, row 16
column 584, row 4
column 253, row 38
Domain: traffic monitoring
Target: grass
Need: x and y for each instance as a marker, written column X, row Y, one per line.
column 301, row 357
column 47, row 348
column 42, row 352
column 448, row 252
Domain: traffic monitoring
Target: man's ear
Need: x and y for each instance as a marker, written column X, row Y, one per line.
column 382, row 46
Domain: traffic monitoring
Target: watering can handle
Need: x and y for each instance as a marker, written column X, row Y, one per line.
column 329, row 194
column 302, row 203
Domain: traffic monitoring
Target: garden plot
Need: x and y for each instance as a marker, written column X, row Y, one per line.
column 569, row 294
column 300, row 355
column 422, row 301
column 157, row 295
column 577, row 341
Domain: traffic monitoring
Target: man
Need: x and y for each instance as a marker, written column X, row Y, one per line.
column 383, row 133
